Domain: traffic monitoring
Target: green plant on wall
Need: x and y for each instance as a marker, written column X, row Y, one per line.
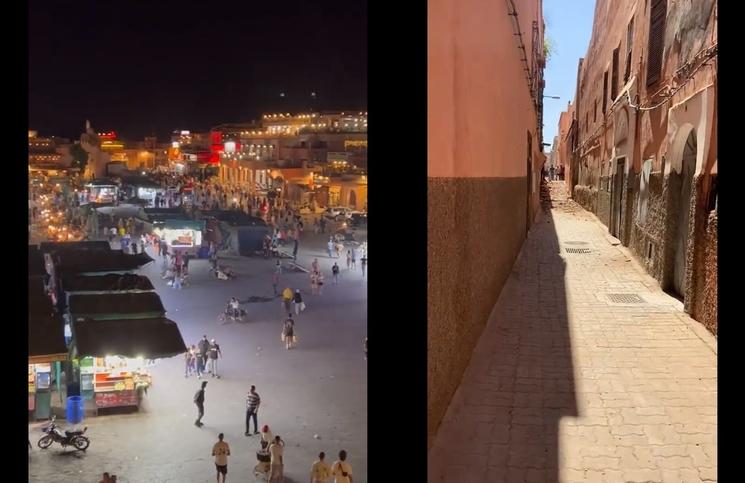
column 549, row 48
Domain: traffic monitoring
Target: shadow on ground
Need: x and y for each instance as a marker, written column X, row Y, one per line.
column 503, row 421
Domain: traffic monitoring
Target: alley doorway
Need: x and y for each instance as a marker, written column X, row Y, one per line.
column 617, row 197
column 688, row 166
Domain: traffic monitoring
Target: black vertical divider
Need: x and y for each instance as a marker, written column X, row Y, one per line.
column 397, row 283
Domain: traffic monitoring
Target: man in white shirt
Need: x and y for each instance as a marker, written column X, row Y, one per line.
column 341, row 470
column 276, row 450
column 320, row 471
column 221, row 451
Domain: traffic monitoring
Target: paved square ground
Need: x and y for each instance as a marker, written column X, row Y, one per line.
column 569, row 384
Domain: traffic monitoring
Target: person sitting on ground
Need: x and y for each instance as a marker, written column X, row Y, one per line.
column 235, row 307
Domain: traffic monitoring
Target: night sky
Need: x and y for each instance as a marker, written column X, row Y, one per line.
column 149, row 67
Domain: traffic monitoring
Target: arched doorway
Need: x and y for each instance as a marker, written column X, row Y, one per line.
column 687, row 169
column 352, row 199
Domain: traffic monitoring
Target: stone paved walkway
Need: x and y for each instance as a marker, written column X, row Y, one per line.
column 567, row 385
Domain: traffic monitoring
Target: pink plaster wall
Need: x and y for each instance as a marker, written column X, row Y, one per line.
column 479, row 109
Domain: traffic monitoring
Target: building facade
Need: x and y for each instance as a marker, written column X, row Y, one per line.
column 286, row 151
column 643, row 139
column 48, row 150
column 485, row 98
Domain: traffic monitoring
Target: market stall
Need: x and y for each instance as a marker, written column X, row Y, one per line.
column 102, row 191
column 46, row 348
column 113, row 381
column 112, row 357
column 181, row 235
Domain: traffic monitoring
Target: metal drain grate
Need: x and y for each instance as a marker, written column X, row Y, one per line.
column 575, row 243
column 625, row 298
column 577, row 250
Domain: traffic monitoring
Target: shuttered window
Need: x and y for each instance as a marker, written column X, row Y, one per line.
column 614, row 78
column 605, row 90
column 657, row 14
column 629, row 45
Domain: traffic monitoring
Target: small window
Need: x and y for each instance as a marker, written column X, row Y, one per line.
column 605, row 90
column 614, row 75
column 657, row 14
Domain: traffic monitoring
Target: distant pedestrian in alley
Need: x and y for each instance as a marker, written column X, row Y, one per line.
column 335, row 273
column 298, row 302
column 320, row 471
column 354, row 258
column 199, row 401
column 294, row 251
column 341, row 470
column 330, row 247
column 363, row 265
column 253, row 401
column 349, row 259
column 221, row 451
column 214, row 353
column 278, row 268
column 315, row 266
column 314, row 283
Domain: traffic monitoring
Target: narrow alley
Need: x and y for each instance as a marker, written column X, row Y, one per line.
column 585, row 372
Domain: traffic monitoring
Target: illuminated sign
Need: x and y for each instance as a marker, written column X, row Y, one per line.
column 230, row 147
column 355, row 144
column 185, row 133
column 175, row 144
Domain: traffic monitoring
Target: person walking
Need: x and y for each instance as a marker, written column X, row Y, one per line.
column 341, row 470
column 363, row 265
column 298, row 302
column 288, row 332
column 330, row 247
column 349, row 259
column 354, row 258
column 202, row 349
column 314, row 283
column 320, row 471
column 214, row 352
column 294, row 250
column 315, row 266
column 188, row 361
column 335, row 273
column 253, row 401
column 221, row 451
column 276, row 450
column 287, row 297
column 199, row 401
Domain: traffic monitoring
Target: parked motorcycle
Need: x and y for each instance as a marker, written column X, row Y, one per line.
column 66, row 438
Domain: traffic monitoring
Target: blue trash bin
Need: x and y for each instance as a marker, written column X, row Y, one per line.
column 75, row 410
